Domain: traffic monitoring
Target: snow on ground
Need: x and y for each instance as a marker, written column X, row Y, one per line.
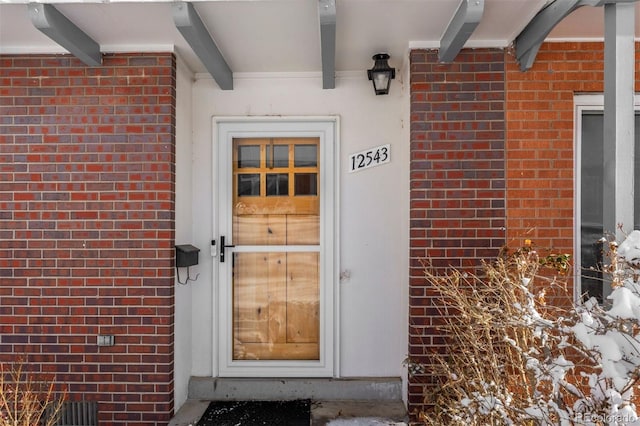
column 365, row 421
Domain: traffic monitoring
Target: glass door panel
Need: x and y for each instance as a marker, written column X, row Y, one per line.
column 276, row 260
column 276, row 306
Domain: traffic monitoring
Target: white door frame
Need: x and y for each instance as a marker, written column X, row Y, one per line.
column 326, row 128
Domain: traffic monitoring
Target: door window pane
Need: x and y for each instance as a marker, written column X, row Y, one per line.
column 305, row 156
column 248, row 156
column 277, row 184
column 277, row 156
column 248, row 185
column 306, row 184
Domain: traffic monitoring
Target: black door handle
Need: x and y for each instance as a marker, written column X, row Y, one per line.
column 223, row 246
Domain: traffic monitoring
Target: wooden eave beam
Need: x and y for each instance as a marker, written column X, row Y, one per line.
column 327, row 14
column 528, row 42
column 60, row 29
column 192, row 28
column 460, row 28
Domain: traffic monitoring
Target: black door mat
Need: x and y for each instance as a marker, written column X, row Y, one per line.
column 254, row 413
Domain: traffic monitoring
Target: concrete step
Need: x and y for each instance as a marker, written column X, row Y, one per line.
column 237, row 389
column 323, row 412
column 189, row 413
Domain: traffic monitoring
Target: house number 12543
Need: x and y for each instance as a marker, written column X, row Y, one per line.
column 369, row 158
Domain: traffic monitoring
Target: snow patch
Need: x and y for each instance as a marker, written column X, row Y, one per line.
column 629, row 250
column 365, row 421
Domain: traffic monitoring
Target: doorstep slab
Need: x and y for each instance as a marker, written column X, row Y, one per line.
column 238, row 389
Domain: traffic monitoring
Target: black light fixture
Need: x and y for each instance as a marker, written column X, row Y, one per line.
column 381, row 74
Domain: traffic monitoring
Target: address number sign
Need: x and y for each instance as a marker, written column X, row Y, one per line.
column 370, row 158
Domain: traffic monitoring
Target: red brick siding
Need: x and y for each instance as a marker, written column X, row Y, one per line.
column 539, row 164
column 457, row 202
column 540, row 139
column 87, row 188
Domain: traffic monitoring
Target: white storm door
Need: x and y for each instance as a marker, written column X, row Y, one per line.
column 275, row 246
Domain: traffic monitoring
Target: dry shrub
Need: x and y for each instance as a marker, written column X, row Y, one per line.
column 496, row 326
column 513, row 359
column 27, row 400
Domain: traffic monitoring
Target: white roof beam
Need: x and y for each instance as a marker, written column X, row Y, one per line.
column 60, row 29
column 462, row 25
column 528, row 42
column 619, row 118
column 327, row 13
column 195, row 32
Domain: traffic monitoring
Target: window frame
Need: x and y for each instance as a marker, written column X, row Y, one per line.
column 584, row 103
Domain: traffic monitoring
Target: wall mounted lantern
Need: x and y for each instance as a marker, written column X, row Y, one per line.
column 381, row 74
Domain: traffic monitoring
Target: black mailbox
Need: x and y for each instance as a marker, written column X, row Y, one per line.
column 186, row 255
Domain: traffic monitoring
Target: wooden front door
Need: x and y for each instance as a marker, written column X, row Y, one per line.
column 276, row 233
column 276, row 229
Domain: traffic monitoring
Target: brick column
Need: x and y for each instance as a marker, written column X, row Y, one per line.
column 457, row 180
column 87, row 189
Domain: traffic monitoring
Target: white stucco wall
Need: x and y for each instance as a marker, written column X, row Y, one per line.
column 373, row 214
column 184, row 228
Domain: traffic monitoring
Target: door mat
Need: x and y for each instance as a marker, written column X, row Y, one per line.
column 253, row 413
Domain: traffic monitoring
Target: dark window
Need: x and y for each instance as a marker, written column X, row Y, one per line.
column 248, row 185
column 591, row 201
column 306, row 184
column 277, row 184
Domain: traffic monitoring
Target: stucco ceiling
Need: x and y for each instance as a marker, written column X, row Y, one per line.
column 257, row 36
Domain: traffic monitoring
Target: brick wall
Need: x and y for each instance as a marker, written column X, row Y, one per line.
column 536, row 177
column 457, row 179
column 87, row 227
column 540, row 140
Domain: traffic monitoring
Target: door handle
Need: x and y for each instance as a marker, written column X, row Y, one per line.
column 223, row 246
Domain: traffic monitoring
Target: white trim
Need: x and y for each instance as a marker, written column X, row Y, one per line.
column 578, row 39
column 290, row 75
column 280, row 249
column 327, row 129
column 33, row 50
column 138, row 48
column 105, row 48
column 113, row 1
column 471, row 44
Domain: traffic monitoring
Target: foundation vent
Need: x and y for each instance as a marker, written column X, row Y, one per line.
column 78, row 413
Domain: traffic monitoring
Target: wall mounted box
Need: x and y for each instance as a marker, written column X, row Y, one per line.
column 106, row 340
column 186, row 255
